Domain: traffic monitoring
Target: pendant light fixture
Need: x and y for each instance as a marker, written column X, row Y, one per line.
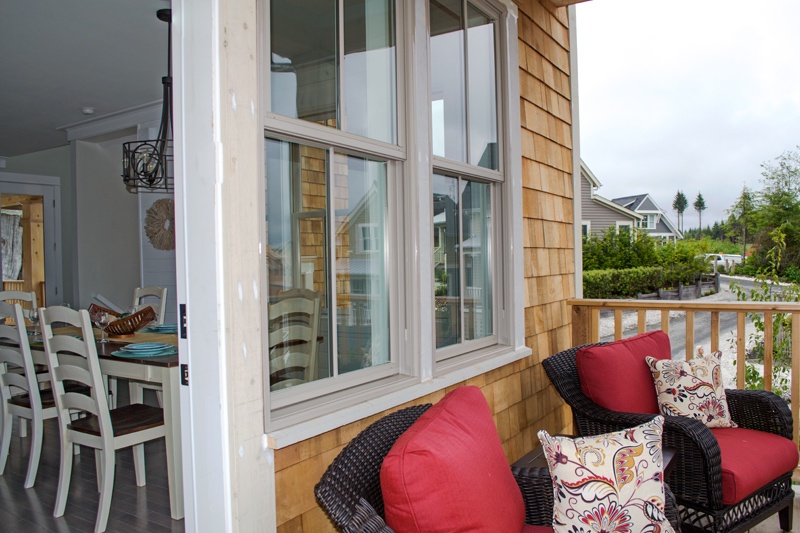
column 147, row 165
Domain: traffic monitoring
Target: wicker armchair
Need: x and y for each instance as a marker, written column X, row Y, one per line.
column 696, row 478
column 350, row 489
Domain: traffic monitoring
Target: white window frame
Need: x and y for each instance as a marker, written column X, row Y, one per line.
column 624, row 224
column 414, row 369
column 588, row 225
column 374, row 238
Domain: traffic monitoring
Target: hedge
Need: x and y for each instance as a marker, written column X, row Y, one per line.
column 629, row 282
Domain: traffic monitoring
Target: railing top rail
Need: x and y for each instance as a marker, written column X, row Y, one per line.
column 686, row 305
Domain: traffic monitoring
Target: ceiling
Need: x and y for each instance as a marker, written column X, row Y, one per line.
column 58, row 56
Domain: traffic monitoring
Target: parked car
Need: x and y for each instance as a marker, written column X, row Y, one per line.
column 725, row 262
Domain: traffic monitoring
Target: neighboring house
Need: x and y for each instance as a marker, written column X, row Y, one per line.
column 656, row 223
column 598, row 213
column 286, row 114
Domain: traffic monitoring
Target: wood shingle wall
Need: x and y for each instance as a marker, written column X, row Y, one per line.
column 520, row 394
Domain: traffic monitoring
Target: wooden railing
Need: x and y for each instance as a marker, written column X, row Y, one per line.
column 586, row 329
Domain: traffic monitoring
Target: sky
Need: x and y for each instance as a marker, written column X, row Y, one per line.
column 690, row 95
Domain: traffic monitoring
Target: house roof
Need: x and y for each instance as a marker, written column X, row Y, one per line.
column 643, row 203
column 596, row 184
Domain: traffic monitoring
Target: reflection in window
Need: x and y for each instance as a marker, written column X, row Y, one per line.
column 351, row 285
column 463, row 84
column 308, row 57
column 462, row 269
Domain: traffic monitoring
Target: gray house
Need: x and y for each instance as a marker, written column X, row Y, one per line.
column 656, row 223
column 598, row 213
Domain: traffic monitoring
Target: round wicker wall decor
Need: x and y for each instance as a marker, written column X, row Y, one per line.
column 159, row 224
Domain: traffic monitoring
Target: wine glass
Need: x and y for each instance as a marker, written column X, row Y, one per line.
column 34, row 318
column 103, row 320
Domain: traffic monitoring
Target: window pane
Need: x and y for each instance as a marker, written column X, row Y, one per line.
column 476, row 220
column 370, row 69
column 298, row 237
column 362, row 299
column 296, row 263
column 482, row 96
column 304, row 65
column 447, row 269
column 448, row 107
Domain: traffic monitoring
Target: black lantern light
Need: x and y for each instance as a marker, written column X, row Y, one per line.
column 147, row 165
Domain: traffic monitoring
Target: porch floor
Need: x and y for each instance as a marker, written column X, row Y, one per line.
column 772, row 526
column 133, row 509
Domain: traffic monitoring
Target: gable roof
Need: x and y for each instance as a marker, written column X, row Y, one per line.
column 595, row 184
column 643, row 203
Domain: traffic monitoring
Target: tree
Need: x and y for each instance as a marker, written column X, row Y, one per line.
column 778, row 207
column 699, row 206
column 738, row 221
column 679, row 204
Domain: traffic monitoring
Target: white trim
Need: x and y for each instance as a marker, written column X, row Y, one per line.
column 198, row 172
column 112, row 122
column 624, row 224
column 588, row 225
column 577, row 162
column 406, row 392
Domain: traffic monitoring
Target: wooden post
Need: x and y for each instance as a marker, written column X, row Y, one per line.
column 33, row 247
column 580, row 325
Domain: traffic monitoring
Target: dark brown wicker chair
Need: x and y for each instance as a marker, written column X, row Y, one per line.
column 350, row 489
column 696, row 478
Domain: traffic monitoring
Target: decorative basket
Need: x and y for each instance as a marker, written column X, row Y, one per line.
column 126, row 326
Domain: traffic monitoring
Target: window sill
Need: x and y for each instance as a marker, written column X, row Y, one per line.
column 390, row 394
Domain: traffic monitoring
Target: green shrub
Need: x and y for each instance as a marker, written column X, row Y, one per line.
column 627, row 283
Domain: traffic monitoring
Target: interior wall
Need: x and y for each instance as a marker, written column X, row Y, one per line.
column 158, row 266
column 57, row 162
column 107, row 225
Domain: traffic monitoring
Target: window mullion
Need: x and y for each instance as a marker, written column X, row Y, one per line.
column 465, row 11
column 462, row 282
column 330, row 234
column 341, row 116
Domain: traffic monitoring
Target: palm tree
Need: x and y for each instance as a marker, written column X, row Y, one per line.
column 700, row 206
column 679, row 204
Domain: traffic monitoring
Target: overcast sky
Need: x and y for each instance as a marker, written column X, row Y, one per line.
column 687, row 94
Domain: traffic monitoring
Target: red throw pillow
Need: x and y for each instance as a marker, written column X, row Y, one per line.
column 616, row 376
column 448, row 472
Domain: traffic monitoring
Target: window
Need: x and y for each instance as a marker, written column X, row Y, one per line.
column 624, row 226
column 368, row 238
column 652, row 220
column 341, row 174
column 586, row 229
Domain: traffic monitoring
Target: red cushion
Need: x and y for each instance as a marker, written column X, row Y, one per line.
column 616, row 376
column 751, row 459
column 448, row 472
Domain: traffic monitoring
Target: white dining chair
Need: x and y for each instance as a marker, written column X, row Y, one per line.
column 19, row 389
column 293, row 337
column 147, row 295
column 106, row 430
column 27, row 300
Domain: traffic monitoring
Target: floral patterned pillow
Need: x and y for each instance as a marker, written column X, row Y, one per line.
column 692, row 388
column 612, row 482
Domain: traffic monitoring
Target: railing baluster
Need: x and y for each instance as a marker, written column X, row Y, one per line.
column 689, row 334
column 714, row 331
column 768, row 349
column 740, row 326
column 594, row 330
column 795, row 373
column 617, row 324
column 641, row 321
column 665, row 320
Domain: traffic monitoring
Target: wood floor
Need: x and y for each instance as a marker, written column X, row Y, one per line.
column 133, row 509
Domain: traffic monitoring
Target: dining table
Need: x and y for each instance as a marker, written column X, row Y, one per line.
column 163, row 370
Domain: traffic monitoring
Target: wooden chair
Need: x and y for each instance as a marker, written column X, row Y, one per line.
column 27, row 300
column 293, row 331
column 74, row 360
column 149, row 293
column 19, row 389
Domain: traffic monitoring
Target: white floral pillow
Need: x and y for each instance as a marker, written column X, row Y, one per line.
column 692, row 388
column 610, row 482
